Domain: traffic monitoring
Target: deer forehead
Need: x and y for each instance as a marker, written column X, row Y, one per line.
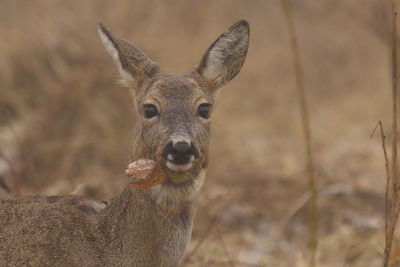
column 175, row 90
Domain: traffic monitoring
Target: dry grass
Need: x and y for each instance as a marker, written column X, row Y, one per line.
column 66, row 126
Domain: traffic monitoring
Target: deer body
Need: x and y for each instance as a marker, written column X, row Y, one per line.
column 84, row 233
column 140, row 227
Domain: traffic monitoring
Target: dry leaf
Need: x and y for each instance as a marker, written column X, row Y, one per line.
column 145, row 173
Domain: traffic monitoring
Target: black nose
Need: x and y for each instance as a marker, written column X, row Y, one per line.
column 180, row 153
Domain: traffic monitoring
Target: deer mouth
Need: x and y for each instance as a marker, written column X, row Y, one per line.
column 174, row 166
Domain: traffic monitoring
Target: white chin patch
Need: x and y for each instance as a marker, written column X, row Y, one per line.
column 179, row 167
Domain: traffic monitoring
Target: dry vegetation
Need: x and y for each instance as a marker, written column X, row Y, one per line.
column 66, row 125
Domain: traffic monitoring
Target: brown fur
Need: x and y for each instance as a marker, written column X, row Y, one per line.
column 139, row 227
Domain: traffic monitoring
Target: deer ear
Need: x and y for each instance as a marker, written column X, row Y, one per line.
column 225, row 57
column 133, row 66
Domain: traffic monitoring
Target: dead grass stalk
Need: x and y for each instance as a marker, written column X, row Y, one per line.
column 313, row 212
column 390, row 224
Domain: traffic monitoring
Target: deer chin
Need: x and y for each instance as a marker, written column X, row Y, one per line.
column 181, row 173
column 179, row 167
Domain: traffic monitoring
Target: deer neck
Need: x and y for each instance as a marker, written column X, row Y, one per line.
column 139, row 215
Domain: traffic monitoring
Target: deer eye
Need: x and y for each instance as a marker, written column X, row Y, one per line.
column 204, row 110
column 150, row 111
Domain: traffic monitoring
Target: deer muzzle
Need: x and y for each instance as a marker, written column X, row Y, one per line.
column 180, row 156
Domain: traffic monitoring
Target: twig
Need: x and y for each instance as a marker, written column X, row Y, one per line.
column 383, row 137
column 313, row 211
column 13, row 173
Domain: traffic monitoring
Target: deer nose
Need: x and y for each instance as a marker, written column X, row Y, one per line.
column 180, row 153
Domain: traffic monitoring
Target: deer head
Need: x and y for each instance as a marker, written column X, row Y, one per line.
column 175, row 109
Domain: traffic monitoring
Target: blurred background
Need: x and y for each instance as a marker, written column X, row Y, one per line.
column 65, row 124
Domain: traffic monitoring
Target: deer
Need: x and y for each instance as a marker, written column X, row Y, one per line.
column 140, row 227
